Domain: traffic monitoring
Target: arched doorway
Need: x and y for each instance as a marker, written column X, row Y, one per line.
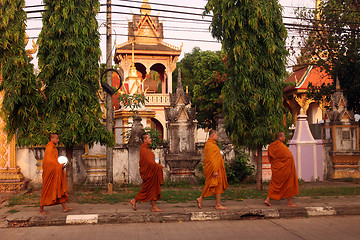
column 160, row 69
column 155, row 124
column 142, row 69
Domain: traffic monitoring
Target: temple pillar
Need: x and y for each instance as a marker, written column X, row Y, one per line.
column 169, row 80
column 134, row 151
column 163, row 84
column 11, row 178
column 307, row 152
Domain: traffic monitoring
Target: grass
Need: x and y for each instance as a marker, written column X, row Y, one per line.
column 329, row 191
column 24, row 199
column 171, row 193
column 12, row 211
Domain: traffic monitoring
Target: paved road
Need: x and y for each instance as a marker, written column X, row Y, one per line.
column 327, row 228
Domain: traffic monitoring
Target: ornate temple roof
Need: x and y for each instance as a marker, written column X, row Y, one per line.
column 146, row 31
column 141, row 48
column 303, row 76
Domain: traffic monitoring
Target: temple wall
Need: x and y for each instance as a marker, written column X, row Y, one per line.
column 28, row 163
column 91, row 169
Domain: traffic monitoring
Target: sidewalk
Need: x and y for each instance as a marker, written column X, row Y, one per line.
column 25, row 216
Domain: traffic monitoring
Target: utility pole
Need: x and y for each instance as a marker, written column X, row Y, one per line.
column 109, row 107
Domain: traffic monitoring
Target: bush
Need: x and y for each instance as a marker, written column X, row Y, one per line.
column 238, row 170
column 156, row 139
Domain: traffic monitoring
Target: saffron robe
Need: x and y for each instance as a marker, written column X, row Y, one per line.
column 213, row 162
column 284, row 182
column 152, row 175
column 54, row 187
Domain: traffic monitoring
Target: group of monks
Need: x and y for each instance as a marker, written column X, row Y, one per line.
column 283, row 184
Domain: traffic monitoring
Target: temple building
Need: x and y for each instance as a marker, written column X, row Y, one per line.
column 154, row 61
column 295, row 96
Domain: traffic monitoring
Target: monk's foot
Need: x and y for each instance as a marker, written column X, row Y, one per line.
column 220, row 207
column 292, row 205
column 133, row 204
column 199, row 202
column 267, row 203
column 156, row 209
column 67, row 209
column 43, row 212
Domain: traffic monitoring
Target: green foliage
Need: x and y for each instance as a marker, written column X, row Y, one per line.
column 132, row 101
column 253, row 38
column 12, row 211
column 156, row 139
column 239, row 169
column 334, row 44
column 21, row 95
column 204, row 74
column 318, row 93
column 69, row 54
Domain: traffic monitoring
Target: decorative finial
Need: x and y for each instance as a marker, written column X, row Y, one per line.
column 145, row 8
column 133, row 72
column 337, row 83
column 179, row 84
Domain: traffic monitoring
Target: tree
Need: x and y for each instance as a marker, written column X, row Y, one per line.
column 204, row 74
column 334, row 44
column 69, row 55
column 21, row 94
column 253, row 38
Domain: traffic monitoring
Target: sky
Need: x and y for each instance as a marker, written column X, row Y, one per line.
column 177, row 30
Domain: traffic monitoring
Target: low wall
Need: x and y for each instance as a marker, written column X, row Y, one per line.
column 90, row 168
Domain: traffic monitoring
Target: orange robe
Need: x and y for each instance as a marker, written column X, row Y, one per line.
column 284, row 182
column 152, row 175
column 213, row 162
column 54, row 187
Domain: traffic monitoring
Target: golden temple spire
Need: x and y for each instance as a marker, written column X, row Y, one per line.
column 337, row 83
column 317, row 6
column 133, row 72
column 145, row 8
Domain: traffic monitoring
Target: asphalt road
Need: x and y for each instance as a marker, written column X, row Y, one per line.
column 327, row 228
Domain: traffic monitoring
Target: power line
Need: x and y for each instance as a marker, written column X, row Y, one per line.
column 186, row 19
column 167, row 5
column 31, row 6
column 177, row 39
column 162, row 10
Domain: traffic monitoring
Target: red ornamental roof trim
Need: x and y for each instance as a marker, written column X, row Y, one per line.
column 303, row 78
column 310, row 74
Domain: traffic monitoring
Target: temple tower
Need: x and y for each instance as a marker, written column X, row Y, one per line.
column 341, row 139
column 180, row 116
column 154, row 61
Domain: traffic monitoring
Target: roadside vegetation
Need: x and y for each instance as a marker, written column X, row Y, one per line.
column 184, row 192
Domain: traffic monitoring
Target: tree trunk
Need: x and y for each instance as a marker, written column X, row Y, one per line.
column 259, row 185
column 69, row 168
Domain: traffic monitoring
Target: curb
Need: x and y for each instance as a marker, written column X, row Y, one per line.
column 241, row 214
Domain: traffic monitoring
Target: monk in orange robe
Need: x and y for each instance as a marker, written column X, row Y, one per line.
column 152, row 175
column 54, row 188
column 284, row 182
column 214, row 171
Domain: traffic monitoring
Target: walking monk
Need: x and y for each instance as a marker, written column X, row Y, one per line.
column 214, row 171
column 152, row 175
column 54, row 187
column 284, row 182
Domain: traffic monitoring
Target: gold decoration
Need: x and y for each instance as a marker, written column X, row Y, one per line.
column 11, row 178
column 173, row 63
column 303, row 102
column 34, row 46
